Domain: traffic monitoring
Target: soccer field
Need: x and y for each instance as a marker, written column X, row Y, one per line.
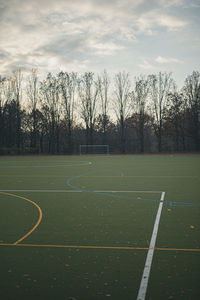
column 100, row 227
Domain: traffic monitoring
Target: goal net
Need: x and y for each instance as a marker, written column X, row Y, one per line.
column 94, row 149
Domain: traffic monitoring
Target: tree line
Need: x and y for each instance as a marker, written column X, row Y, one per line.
column 57, row 114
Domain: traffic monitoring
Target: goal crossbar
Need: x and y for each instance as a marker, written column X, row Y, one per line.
column 94, row 149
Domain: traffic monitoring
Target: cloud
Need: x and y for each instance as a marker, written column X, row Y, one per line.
column 145, row 65
column 68, row 30
column 166, row 60
column 152, row 21
column 169, row 3
column 170, row 22
column 106, row 48
column 51, row 34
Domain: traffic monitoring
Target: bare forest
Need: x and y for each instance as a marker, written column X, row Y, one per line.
column 55, row 115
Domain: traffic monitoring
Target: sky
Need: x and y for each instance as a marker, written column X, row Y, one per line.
column 135, row 36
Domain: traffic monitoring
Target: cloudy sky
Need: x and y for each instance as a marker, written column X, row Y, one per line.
column 137, row 36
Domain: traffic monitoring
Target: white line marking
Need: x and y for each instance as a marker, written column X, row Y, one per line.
column 80, row 163
column 43, row 191
column 147, row 267
column 129, row 192
column 76, row 191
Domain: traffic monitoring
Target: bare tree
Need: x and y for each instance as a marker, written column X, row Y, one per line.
column 175, row 119
column 103, row 87
column 192, row 94
column 8, row 117
column 88, row 92
column 152, row 114
column 2, row 103
column 33, row 97
column 160, row 87
column 51, row 105
column 122, row 104
column 16, row 84
column 139, row 98
column 67, row 86
column 11, row 94
column 2, row 91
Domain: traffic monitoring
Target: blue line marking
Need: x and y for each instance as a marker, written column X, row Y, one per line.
column 100, row 193
column 125, row 197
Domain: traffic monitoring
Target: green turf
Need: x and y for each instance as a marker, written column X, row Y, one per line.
column 86, row 218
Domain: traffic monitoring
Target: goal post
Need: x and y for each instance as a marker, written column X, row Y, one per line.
column 94, row 149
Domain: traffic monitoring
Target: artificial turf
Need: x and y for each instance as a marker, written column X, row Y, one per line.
column 87, row 201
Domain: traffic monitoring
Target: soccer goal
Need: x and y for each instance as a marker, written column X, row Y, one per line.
column 94, row 149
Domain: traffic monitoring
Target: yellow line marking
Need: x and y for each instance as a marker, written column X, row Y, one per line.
column 177, row 249
column 38, row 221
column 99, row 247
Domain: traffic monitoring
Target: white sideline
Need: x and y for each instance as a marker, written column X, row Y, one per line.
column 76, row 191
column 106, row 191
column 147, row 267
column 43, row 191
